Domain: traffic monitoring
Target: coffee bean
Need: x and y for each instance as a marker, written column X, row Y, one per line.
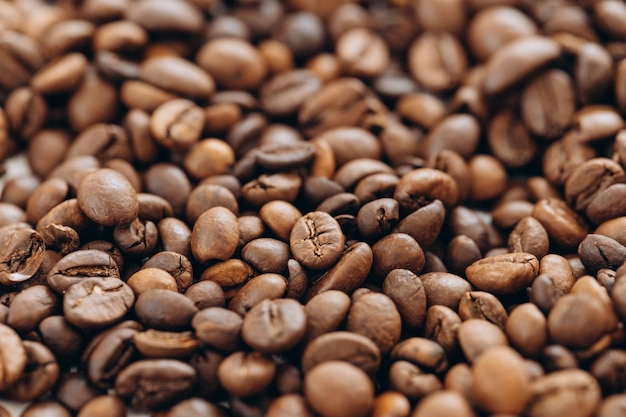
column 164, row 309
column 316, row 240
column 161, row 344
column 284, row 94
column 97, row 302
column 445, row 289
column 552, row 393
column 45, row 408
column 510, row 140
column 218, row 327
column 325, row 312
column 411, row 381
column 215, row 235
column 14, row 356
column 244, row 374
column 563, row 225
column 441, row 326
column 477, row 336
column 178, row 76
column 585, row 323
column 526, row 329
column 274, row 326
column 529, row 236
column 265, row 286
column 483, row 305
column 22, row 254
column 519, row 269
column 325, row 381
column 421, row 352
column 408, row 293
column 177, row 124
column 30, row 306
column 104, row 405
column 385, row 259
column 107, row 198
column 514, row 390
column 79, row 265
column 172, row 378
column 516, row 60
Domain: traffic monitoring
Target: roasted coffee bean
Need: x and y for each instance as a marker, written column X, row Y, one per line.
column 408, row 293
column 14, row 356
column 218, row 327
column 80, row 265
column 107, row 198
column 177, row 124
column 267, row 255
column 529, row 236
column 178, row 76
column 504, row 274
column 510, row 140
column 326, row 380
column 164, row 309
column 97, row 302
column 138, row 240
column 285, row 93
column 421, row 352
column 476, row 336
column 501, row 369
column 264, row 286
column 172, row 378
column 244, row 374
column 483, row 305
column 411, row 381
column 526, row 329
column 391, row 252
column 564, row 226
column 46, row 408
column 316, row 240
column 274, row 326
column 215, row 235
column 552, row 393
column 30, row 306
column 161, row 344
column 445, row 289
column 22, row 254
column 40, row 375
column 585, row 324
column 325, row 312
column 441, row 325
column 516, row 60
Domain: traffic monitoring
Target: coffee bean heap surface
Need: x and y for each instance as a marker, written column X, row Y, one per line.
column 299, row 208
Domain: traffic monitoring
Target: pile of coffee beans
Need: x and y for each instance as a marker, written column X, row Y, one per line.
column 297, row 208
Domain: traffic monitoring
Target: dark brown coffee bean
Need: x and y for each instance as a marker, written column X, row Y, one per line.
column 493, row 27
column 324, row 383
column 387, row 259
column 274, row 326
column 60, row 75
column 382, row 307
column 316, row 240
column 165, row 309
column 207, row 196
column 362, row 53
column 104, row 405
column 443, row 288
column 325, row 312
column 411, row 381
column 377, row 218
column 177, row 124
column 441, row 326
column 177, row 265
column 30, row 306
column 590, row 178
column 74, row 391
column 563, row 225
column 267, row 255
column 161, row 344
column 138, row 240
column 109, row 352
column 269, row 187
column 215, row 235
column 424, row 224
column 598, row 252
column 477, row 336
column 458, row 132
column 40, row 375
column 518, row 269
column 407, row 292
column 107, row 198
column 244, row 374
column 262, row 287
column 422, row 186
column 339, row 103
column 279, row 157
column 148, row 278
column 529, row 236
column 483, row 305
column 22, row 254
column 437, row 60
column 97, row 302
column 219, row 328
column 60, row 337
column 511, row 381
column 421, row 352
column 552, row 393
column 516, row 60
column 527, row 329
column 154, row 383
column 510, row 140
column 153, row 207
column 178, row 76
column 80, row 265
column 585, row 322
column 14, row 356
column 284, row 94
column 26, row 111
